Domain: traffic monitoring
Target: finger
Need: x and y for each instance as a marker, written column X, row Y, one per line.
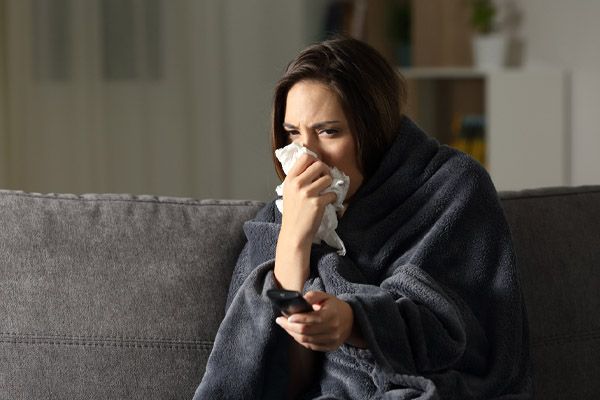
column 301, row 164
column 331, row 197
column 312, row 182
column 319, row 343
column 323, row 200
column 317, row 187
column 302, row 334
column 299, row 323
column 317, row 169
column 307, row 318
column 313, row 173
column 307, row 327
column 296, row 327
column 316, row 296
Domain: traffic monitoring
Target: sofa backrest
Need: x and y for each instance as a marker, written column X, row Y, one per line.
column 116, row 296
column 112, row 296
column 556, row 233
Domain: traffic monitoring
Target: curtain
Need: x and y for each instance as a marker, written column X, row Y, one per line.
column 109, row 96
column 164, row 97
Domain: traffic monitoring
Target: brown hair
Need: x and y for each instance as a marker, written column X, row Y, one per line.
column 371, row 91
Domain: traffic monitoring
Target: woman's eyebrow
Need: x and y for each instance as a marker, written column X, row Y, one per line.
column 313, row 126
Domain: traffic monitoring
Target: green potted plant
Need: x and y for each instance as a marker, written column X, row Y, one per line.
column 482, row 15
column 400, row 30
column 489, row 45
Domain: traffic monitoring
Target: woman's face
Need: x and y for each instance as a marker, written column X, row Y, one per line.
column 314, row 118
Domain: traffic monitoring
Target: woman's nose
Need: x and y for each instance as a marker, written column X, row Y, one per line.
column 311, row 143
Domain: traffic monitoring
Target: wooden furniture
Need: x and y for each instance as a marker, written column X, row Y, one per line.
column 525, row 114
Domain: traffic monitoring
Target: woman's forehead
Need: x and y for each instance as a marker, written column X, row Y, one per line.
column 312, row 102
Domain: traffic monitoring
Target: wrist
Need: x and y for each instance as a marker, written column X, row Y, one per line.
column 292, row 264
column 293, row 240
column 356, row 338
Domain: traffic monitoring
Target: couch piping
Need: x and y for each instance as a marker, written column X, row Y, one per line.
column 546, row 341
column 148, row 199
column 509, row 196
column 106, row 341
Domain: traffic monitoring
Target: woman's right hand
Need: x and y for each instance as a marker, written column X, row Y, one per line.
column 303, row 208
column 304, row 204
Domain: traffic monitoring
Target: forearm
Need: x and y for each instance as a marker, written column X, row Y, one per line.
column 292, row 263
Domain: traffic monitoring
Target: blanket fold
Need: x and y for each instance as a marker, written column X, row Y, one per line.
column 430, row 275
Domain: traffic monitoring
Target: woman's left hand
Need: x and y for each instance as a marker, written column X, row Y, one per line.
column 324, row 329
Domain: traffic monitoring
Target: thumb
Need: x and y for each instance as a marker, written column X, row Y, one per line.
column 316, row 298
column 331, row 197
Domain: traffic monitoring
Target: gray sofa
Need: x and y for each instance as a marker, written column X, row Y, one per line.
column 120, row 297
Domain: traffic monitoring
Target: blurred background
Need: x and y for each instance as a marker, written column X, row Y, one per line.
column 173, row 97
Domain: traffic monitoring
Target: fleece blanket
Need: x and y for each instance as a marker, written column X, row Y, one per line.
column 429, row 273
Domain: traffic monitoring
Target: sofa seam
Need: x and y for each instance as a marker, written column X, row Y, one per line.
column 105, row 344
column 101, row 337
column 547, row 195
column 105, row 341
column 565, row 339
column 190, row 202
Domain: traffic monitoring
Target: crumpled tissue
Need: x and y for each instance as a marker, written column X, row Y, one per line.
column 287, row 156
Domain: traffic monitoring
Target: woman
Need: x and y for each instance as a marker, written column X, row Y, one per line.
column 425, row 304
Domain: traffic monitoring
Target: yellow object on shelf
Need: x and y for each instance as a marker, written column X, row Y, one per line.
column 469, row 133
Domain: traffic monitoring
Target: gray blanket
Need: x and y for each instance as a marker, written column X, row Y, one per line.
column 430, row 274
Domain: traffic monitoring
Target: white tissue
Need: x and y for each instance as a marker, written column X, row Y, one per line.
column 287, row 156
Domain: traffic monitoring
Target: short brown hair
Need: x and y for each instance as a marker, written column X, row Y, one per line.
column 371, row 91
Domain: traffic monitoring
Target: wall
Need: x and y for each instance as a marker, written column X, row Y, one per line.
column 563, row 33
column 260, row 38
column 201, row 129
column 245, row 48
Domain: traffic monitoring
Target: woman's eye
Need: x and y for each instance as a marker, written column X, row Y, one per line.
column 292, row 133
column 328, row 132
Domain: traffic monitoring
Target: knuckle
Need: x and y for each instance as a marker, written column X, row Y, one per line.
column 304, row 338
column 302, row 330
column 315, row 202
column 303, row 192
column 295, row 184
column 305, row 157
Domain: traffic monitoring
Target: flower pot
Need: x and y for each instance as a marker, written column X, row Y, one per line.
column 489, row 51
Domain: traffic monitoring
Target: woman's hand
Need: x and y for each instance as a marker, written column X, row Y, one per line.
column 327, row 327
column 303, row 208
column 303, row 203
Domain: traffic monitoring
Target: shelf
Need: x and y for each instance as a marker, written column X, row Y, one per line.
column 468, row 72
column 524, row 111
column 442, row 73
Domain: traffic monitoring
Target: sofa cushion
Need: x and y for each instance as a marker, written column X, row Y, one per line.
column 116, row 296
column 112, row 296
column 557, row 241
